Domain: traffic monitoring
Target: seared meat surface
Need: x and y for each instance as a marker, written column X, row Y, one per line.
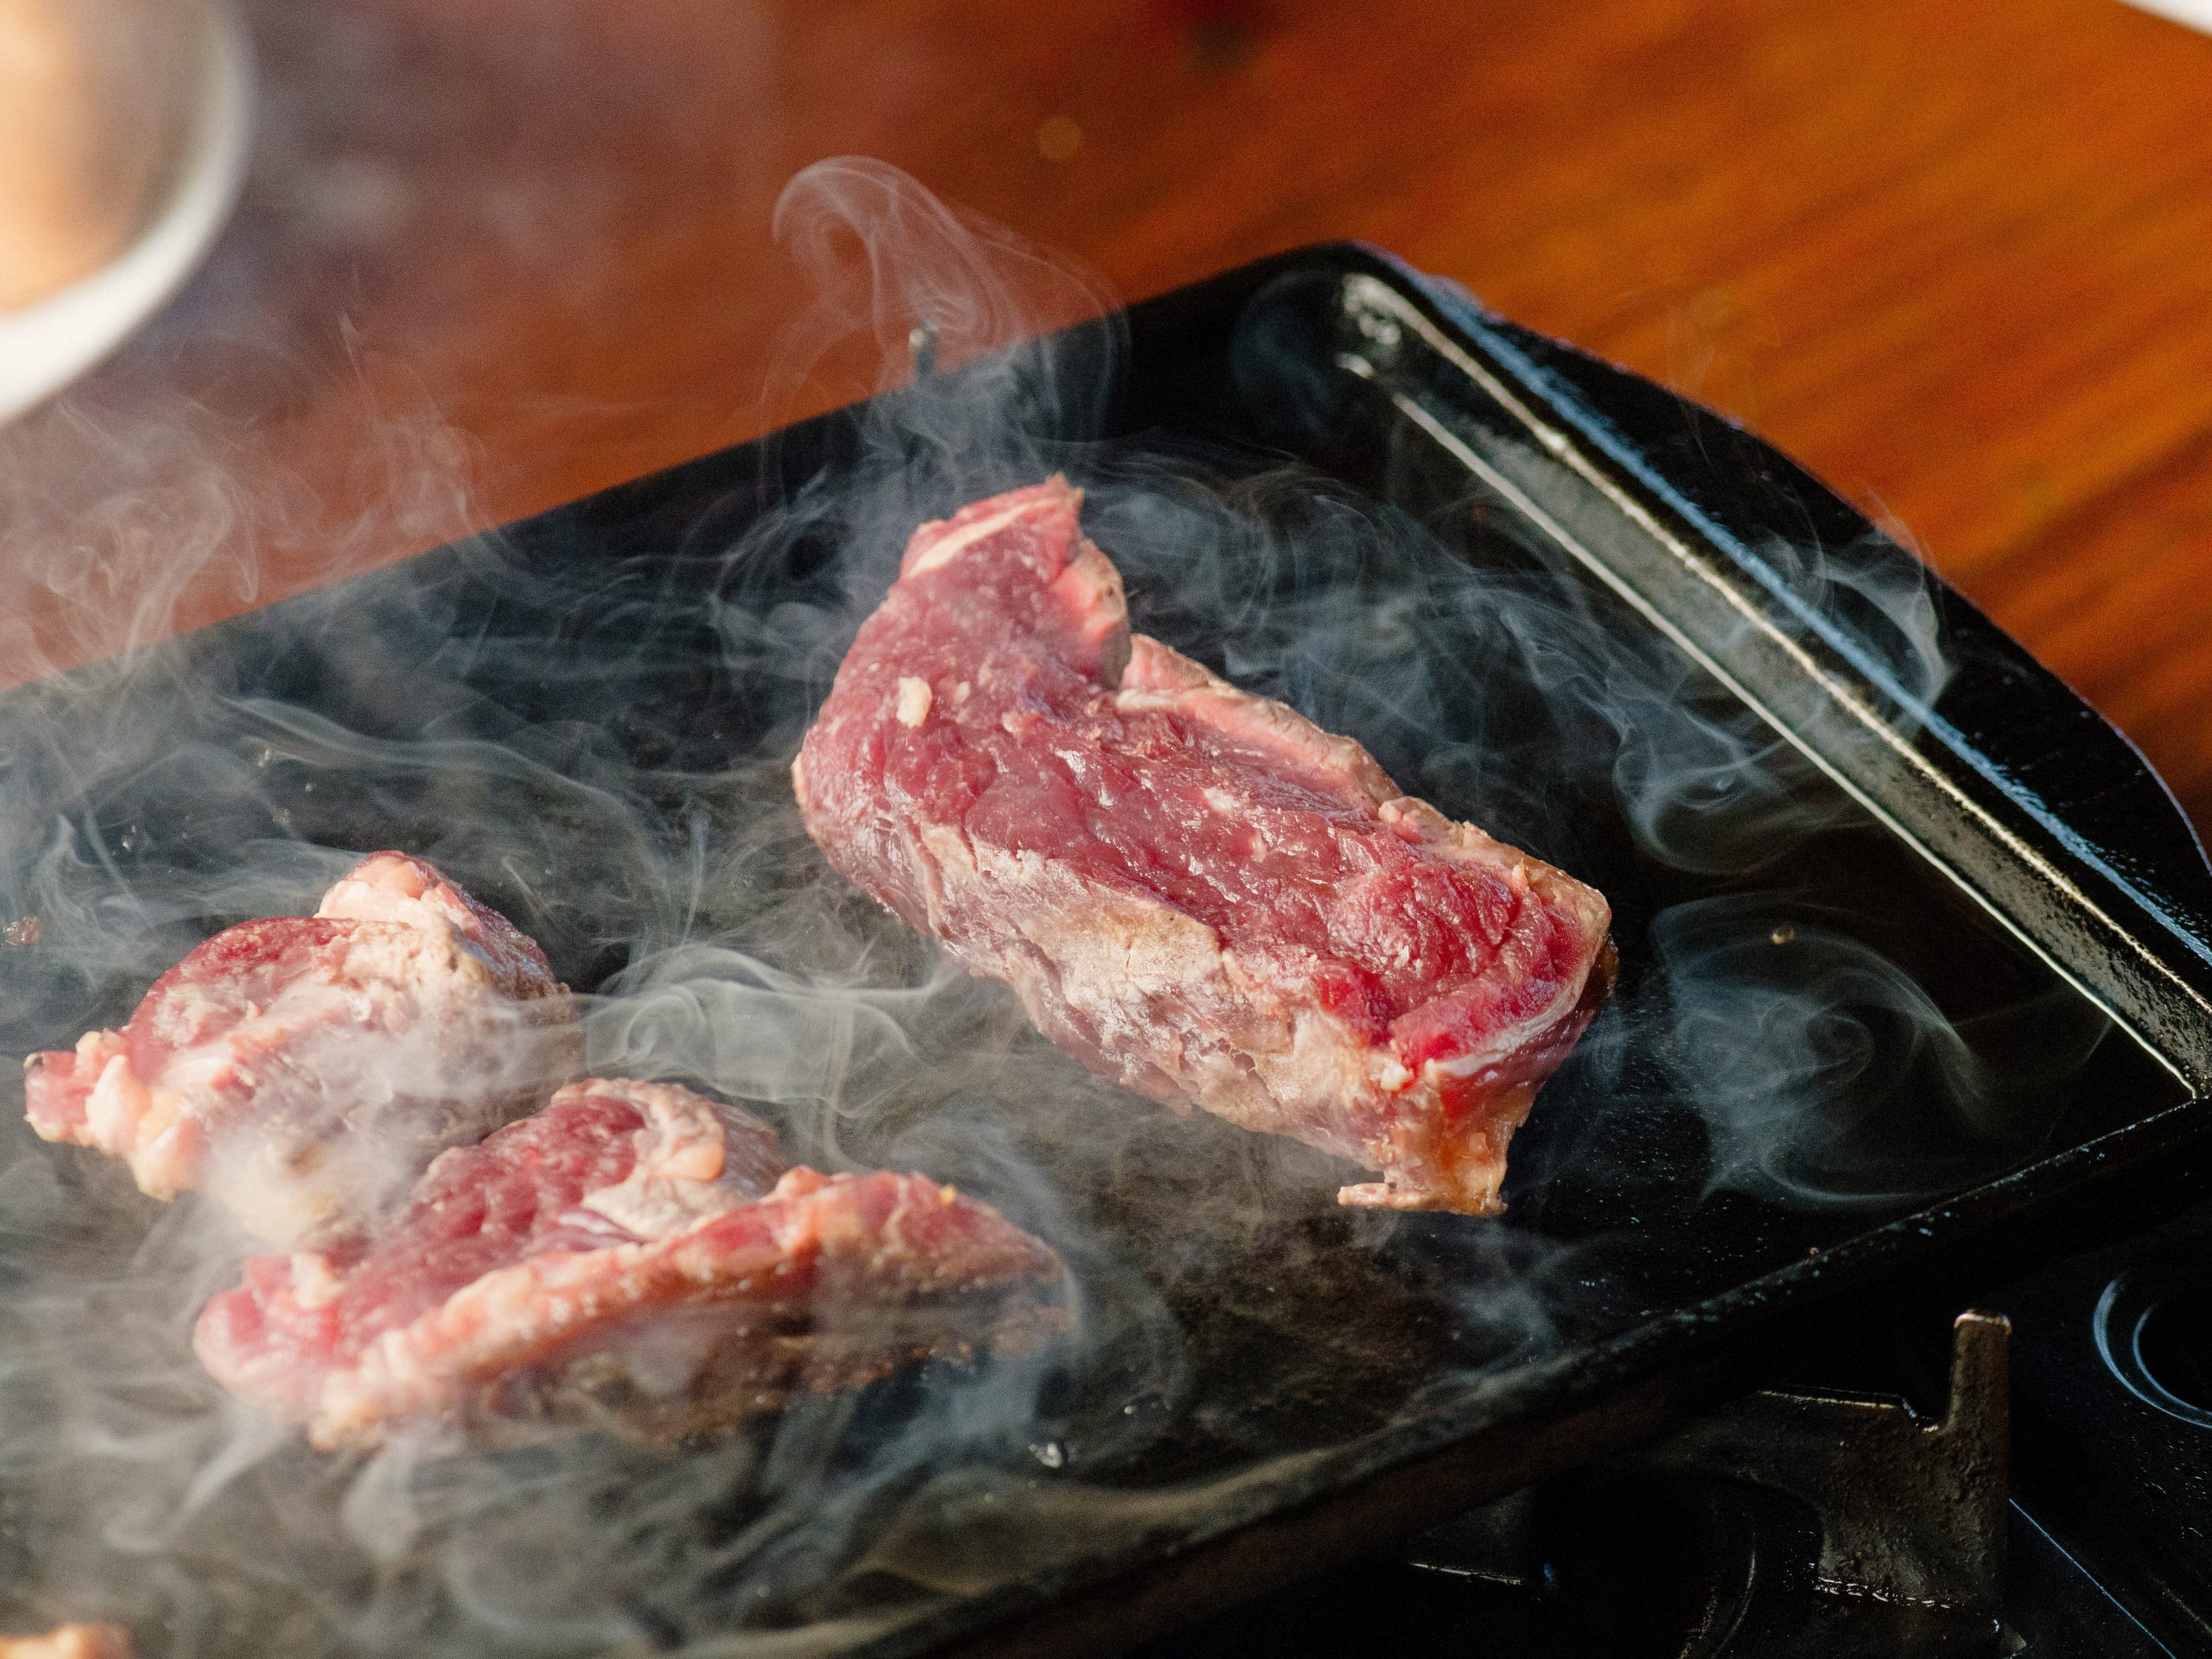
column 1196, row 890
column 634, row 1254
column 304, row 1070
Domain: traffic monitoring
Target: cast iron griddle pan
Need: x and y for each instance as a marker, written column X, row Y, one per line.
column 1914, row 955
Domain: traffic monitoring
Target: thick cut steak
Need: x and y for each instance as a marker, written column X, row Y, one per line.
column 304, row 1070
column 1196, row 890
column 634, row 1254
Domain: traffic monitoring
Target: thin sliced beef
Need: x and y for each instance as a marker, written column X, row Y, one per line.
column 634, row 1254
column 304, row 1070
column 1196, row 890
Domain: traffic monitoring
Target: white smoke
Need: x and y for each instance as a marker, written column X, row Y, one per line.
column 600, row 748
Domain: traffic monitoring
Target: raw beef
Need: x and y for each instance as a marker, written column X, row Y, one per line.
column 1194, row 890
column 305, row 1069
column 634, row 1254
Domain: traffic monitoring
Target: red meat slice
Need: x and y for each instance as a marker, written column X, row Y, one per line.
column 634, row 1252
column 304, row 1070
column 1194, row 890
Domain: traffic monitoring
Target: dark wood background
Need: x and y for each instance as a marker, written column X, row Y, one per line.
column 1956, row 255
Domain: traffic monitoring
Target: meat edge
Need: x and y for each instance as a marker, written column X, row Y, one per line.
column 522, row 1330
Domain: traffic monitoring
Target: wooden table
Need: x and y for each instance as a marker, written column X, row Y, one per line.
column 1954, row 254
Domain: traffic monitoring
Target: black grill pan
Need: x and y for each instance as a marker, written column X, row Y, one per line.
column 553, row 712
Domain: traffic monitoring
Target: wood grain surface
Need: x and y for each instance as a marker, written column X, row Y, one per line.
column 1956, row 255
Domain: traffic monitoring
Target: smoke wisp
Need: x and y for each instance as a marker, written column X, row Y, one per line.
column 597, row 740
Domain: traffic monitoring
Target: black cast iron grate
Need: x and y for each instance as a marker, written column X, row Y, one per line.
column 1526, row 581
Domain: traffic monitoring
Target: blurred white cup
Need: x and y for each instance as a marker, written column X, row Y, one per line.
column 123, row 137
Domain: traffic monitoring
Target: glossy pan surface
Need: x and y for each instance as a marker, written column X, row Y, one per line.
column 1914, row 951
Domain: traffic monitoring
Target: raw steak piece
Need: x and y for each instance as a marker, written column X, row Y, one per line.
column 636, row 1253
column 303, row 1070
column 1194, row 890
